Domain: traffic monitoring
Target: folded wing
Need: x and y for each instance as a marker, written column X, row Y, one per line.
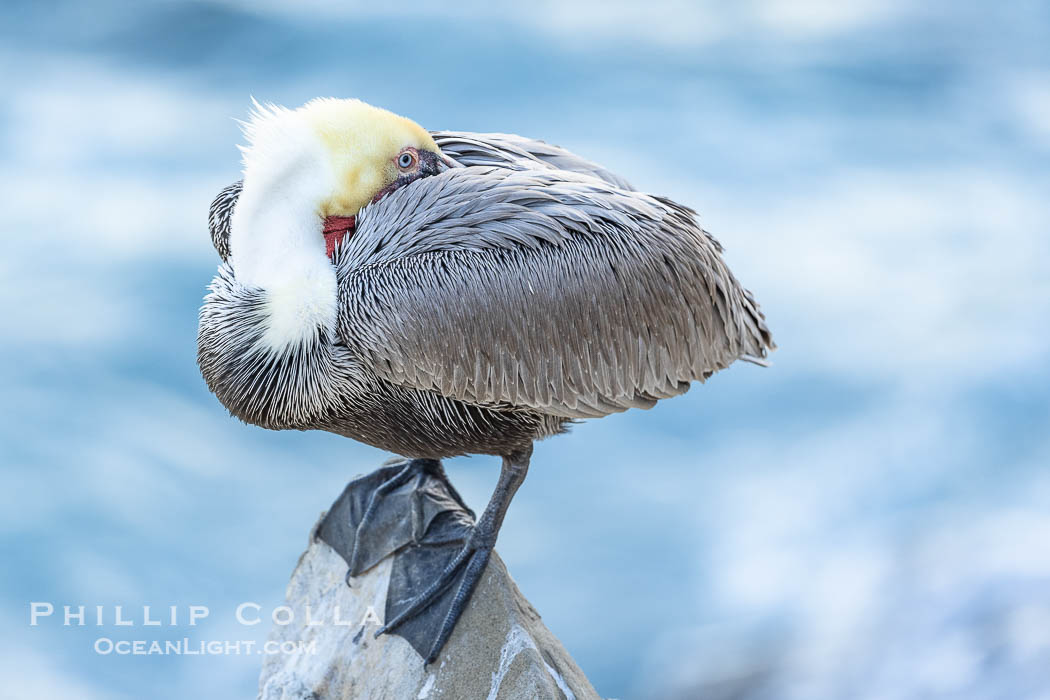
column 542, row 290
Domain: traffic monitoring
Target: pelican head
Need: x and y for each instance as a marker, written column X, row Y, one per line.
column 307, row 174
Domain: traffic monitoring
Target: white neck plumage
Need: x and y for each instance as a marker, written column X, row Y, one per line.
column 276, row 246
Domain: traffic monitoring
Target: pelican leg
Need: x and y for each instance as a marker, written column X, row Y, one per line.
column 468, row 565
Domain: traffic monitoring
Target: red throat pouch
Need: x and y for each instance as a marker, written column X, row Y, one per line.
column 335, row 228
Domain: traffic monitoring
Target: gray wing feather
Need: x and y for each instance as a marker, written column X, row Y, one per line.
column 519, row 153
column 541, row 290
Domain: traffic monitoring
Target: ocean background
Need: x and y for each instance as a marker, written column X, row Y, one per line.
column 867, row 518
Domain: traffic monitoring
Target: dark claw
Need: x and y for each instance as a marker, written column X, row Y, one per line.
column 468, row 566
column 475, row 568
column 431, row 593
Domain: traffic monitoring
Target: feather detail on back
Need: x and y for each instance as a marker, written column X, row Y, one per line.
column 519, row 153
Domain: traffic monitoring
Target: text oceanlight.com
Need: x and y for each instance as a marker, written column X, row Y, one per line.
column 188, row 647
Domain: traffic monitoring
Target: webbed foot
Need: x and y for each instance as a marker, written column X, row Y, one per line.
column 410, row 509
column 448, row 592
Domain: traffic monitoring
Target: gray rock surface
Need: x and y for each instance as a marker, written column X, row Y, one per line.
column 499, row 650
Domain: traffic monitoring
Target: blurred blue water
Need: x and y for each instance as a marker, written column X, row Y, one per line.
column 870, row 517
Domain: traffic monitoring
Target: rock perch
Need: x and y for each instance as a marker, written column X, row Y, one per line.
column 500, row 648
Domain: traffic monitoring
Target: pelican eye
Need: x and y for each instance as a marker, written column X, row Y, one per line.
column 407, row 160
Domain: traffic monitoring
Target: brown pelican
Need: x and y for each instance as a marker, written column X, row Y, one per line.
column 440, row 293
